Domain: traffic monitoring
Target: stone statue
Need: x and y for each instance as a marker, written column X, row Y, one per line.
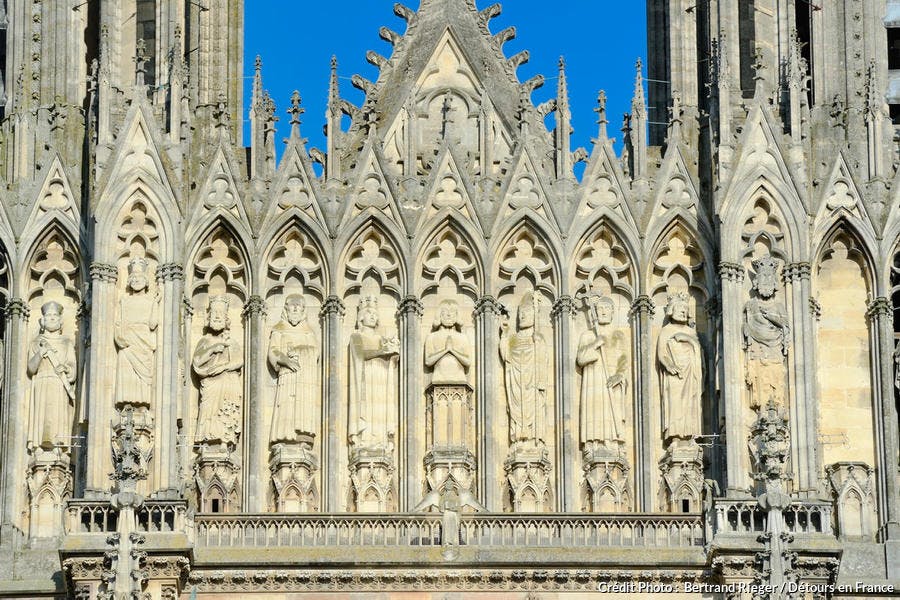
column 218, row 361
column 526, row 359
column 373, row 381
column 603, row 384
column 294, row 354
column 135, row 337
column 52, row 368
column 447, row 349
column 766, row 337
column 680, row 361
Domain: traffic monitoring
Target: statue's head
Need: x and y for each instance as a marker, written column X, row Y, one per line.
column 217, row 314
column 367, row 314
column 448, row 315
column 766, row 276
column 605, row 307
column 294, row 310
column 526, row 313
column 51, row 316
column 137, row 273
column 678, row 307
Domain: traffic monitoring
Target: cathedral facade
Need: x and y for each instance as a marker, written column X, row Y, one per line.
column 427, row 358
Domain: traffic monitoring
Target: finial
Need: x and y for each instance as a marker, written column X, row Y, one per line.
column 637, row 102
column 220, row 112
column 333, row 89
column 140, row 61
column 258, row 64
column 295, row 111
column 601, row 114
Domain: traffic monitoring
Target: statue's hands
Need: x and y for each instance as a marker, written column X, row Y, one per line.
column 599, row 342
column 615, row 380
column 62, row 369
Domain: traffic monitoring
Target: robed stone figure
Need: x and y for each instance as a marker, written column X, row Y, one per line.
column 603, row 383
column 52, row 368
column 680, row 361
column 373, row 381
column 218, row 362
column 294, row 354
column 526, row 360
column 766, row 337
column 135, row 337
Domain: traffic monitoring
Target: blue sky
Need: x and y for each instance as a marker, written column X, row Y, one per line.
column 600, row 39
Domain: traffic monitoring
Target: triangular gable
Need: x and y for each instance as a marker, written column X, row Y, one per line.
column 55, row 197
column 294, row 187
column 603, row 189
column 524, row 190
column 841, row 198
column 448, row 190
column 761, row 155
column 137, row 150
column 219, row 194
column 371, row 191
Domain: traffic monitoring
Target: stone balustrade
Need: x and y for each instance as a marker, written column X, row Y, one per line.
column 86, row 516
column 746, row 517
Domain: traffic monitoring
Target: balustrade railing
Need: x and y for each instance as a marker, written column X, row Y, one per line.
column 481, row 530
column 746, row 516
column 86, row 516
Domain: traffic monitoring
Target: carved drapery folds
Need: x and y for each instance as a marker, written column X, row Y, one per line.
column 52, row 367
column 296, row 286
column 528, row 279
column 605, row 290
column 372, row 279
column 679, row 285
column 450, row 283
column 218, row 292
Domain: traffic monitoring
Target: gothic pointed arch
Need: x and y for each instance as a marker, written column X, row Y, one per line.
column 526, row 256
column 605, row 261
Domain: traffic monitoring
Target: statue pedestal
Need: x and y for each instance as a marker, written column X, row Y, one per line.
column 681, row 489
column 294, row 466
column 372, row 480
column 528, row 476
column 218, row 482
column 447, row 436
column 139, row 421
column 49, row 486
column 605, row 487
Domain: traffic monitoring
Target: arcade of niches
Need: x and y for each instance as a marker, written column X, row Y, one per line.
column 428, row 358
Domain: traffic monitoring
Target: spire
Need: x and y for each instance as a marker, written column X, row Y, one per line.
column 258, row 122
column 296, row 111
column 602, row 121
column 257, row 94
column 563, row 125
column 638, row 124
column 333, row 116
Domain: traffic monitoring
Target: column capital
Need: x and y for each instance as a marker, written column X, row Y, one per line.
column 488, row 305
column 333, row 305
column 797, row 271
column 731, row 272
column 643, row 305
column 879, row 308
column 411, row 306
column 255, row 307
column 169, row 272
column 17, row 308
column 564, row 306
column 104, row 272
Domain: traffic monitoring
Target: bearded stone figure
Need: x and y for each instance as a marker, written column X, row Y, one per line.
column 52, row 368
column 373, row 381
column 603, row 383
column 766, row 329
column 680, row 361
column 526, row 359
column 135, row 337
column 218, row 362
column 294, row 354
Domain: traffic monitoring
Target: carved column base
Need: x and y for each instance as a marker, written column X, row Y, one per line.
column 372, row 480
column 528, row 476
column 49, row 486
column 605, row 487
column 217, row 476
column 294, row 468
column 681, row 488
column 450, row 469
column 449, row 409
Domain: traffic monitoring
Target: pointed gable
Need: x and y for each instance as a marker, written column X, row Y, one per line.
column 448, row 192
column 371, row 191
column 219, row 196
column 294, row 187
column 841, row 198
column 55, row 196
